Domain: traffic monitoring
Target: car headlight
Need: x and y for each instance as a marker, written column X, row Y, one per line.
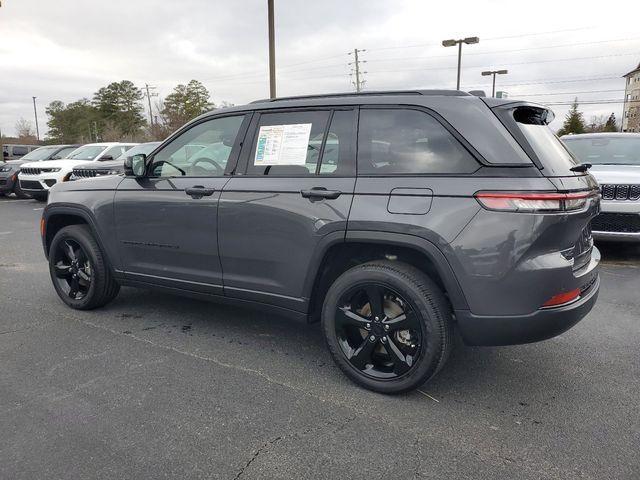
column 6, row 168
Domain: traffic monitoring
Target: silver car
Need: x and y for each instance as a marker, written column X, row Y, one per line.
column 615, row 160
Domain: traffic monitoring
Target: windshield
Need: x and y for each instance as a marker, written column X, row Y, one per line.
column 145, row 148
column 606, row 150
column 40, row 154
column 88, row 152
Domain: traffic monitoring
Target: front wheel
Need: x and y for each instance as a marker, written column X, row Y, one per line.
column 18, row 192
column 387, row 325
column 79, row 270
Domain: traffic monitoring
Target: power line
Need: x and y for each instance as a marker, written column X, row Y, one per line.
column 394, row 59
column 568, row 93
column 508, row 64
column 418, row 45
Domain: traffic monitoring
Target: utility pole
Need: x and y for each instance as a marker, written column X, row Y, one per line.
column 452, row 43
column 359, row 83
column 148, row 94
column 35, row 112
column 494, row 73
column 272, row 51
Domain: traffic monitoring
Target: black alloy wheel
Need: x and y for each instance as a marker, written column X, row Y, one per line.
column 80, row 272
column 72, row 269
column 378, row 331
column 387, row 325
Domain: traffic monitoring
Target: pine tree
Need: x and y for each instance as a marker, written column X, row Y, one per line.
column 573, row 121
column 611, row 126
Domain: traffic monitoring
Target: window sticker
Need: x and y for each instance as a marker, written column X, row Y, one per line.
column 282, row 144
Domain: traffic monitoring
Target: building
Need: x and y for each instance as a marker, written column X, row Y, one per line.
column 631, row 111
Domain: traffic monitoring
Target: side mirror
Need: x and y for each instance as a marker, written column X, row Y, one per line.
column 135, row 166
column 106, row 157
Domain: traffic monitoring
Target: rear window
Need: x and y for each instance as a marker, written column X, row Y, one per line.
column 605, row 150
column 553, row 155
column 406, row 142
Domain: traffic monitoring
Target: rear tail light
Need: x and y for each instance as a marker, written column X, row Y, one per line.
column 562, row 298
column 534, row 201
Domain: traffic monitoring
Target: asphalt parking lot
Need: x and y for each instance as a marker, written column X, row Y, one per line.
column 155, row 386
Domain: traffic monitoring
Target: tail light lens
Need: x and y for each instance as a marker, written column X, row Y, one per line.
column 534, row 201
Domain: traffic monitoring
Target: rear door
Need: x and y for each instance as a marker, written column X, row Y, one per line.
column 291, row 196
column 167, row 222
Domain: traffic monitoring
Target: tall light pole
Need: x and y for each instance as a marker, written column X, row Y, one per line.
column 272, row 51
column 453, row 43
column 35, row 113
column 494, row 73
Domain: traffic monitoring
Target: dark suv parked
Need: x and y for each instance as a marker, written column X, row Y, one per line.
column 388, row 216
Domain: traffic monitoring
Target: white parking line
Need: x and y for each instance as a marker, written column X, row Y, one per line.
column 5, row 233
column 41, row 208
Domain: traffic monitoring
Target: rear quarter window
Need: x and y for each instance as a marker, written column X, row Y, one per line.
column 404, row 141
column 553, row 155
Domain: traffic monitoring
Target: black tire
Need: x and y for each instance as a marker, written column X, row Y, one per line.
column 41, row 197
column 423, row 302
column 18, row 192
column 101, row 289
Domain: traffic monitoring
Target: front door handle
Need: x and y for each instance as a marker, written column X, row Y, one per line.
column 320, row 192
column 198, row 191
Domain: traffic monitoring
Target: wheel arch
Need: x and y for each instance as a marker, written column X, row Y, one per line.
column 338, row 255
column 56, row 217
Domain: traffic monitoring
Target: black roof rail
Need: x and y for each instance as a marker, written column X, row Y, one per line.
column 449, row 93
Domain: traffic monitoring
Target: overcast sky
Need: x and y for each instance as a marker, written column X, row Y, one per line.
column 67, row 49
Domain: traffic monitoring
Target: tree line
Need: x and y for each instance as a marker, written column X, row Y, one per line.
column 116, row 113
column 574, row 122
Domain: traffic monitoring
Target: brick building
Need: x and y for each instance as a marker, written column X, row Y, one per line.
column 631, row 112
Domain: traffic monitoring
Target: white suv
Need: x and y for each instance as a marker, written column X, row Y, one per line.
column 37, row 178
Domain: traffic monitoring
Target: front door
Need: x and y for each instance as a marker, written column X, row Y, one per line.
column 292, row 195
column 166, row 222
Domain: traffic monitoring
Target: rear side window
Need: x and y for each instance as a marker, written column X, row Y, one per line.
column 288, row 143
column 551, row 152
column 19, row 151
column 406, row 141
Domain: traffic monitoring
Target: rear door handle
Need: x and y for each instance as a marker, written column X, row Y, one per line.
column 320, row 192
column 198, row 191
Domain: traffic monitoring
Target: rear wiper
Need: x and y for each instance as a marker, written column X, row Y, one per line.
column 581, row 167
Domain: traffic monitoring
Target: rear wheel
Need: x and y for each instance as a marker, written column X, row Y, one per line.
column 387, row 326
column 79, row 271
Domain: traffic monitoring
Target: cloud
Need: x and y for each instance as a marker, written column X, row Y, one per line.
column 67, row 49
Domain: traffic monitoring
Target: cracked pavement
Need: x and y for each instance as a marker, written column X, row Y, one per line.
column 155, row 386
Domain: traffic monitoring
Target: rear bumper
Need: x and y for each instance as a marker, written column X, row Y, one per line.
column 534, row 327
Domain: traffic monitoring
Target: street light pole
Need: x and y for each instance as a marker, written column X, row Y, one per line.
column 272, row 51
column 452, row 43
column 494, row 73
column 35, row 113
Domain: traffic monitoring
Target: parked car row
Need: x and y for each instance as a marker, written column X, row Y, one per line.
column 33, row 174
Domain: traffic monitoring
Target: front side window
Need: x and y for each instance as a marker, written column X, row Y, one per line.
column 405, row 142
column 288, row 143
column 201, row 151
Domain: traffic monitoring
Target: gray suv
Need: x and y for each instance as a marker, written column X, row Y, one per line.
column 391, row 217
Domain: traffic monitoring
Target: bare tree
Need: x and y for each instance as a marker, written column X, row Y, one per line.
column 24, row 129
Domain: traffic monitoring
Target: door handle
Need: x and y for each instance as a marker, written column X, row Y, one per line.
column 320, row 192
column 198, row 191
